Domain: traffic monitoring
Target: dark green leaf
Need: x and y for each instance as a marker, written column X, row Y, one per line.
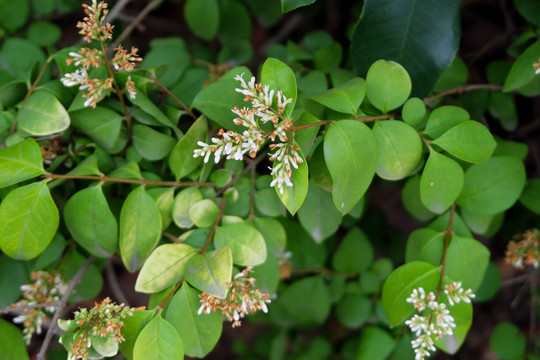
column 202, row 17
column 466, row 261
column 293, row 196
column 354, row 254
column 508, row 342
column 14, row 14
column 290, row 5
column 12, row 346
column 353, row 309
column 151, row 144
column 101, row 124
column 375, row 344
column 522, row 72
column 307, row 300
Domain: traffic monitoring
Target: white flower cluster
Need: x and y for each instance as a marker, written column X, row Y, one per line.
column 439, row 322
column 234, row 145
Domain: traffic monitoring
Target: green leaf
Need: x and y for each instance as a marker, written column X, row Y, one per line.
column 13, row 15
column 273, row 233
column 151, row 144
column 421, row 35
column 280, row 77
column 508, row 342
column 104, row 345
column 13, row 274
column 462, row 314
column 410, row 197
column 181, row 160
column 44, row 33
column 306, row 252
column 42, row 114
column 414, row 111
column 217, row 99
column 469, row 141
column 293, row 196
column 441, row 182
column 529, row 9
column 246, row 243
column 164, row 267
column 12, row 345
column 29, row 221
column 522, row 72
column 148, row 106
column 204, row 213
column 353, row 309
column 307, row 300
column 158, row 340
column 91, row 222
column 19, row 56
column 351, row 154
column 354, row 254
column 200, row 333
column 530, row 198
column 140, row 228
column 345, row 98
column 493, row 186
column 101, row 124
column 400, row 149
column 290, row 5
column 164, row 198
column 388, row 85
column 211, row 271
column 400, row 284
column 375, row 344
column 425, row 244
column 202, row 17
column 133, row 325
column 20, row 162
column 466, row 261
column 443, row 119
column 319, row 216
column 482, row 224
column 171, row 52
column 183, row 202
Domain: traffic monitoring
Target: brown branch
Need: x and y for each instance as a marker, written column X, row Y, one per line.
column 214, row 227
column 128, row 181
column 144, row 12
column 115, row 286
column 462, row 89
column 166, row 300
column 61, row 306
column 177, row 100
column 171, row 237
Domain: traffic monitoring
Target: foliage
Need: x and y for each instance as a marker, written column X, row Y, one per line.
column 188, row 169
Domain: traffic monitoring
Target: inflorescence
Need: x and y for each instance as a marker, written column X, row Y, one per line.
column 104, row 319
column 438, row 322
column 92, row 28
column 242, row 299
column 524, row 250
column 45, row 290
column 234, row 145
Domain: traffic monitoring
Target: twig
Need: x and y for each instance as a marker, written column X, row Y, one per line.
column 178, row 101
column 129, row 181
column 151, row 5
column 166, row 300
column 14, row 307
column 171, row 237
column 61, row 305
column 115, row 286
column 253, row 163
column 116, row 10
column 462, row 89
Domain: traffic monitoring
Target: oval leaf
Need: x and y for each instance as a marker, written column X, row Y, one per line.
column 181, row 160
column 211, row 271
column 200, row 333
column 202, row 17
column 140, row 228
column 293, row 196
column 91, row 222
column 469, row 141
column 164, row 267
column 400, row 149
column 443, row 119
column 42, row 115
column 441, row 182
column 151, row 144
column 388, row 85
column 158, row 340
column 183, row 202
column 345, row 98
column 101, row 124
column 354, row 254
column 280, row 77
column 246, row 243
column 20, row 162
column 467, row 261
column 351, row 154
column 29, row 221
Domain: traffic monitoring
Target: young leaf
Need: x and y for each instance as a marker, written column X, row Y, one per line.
column 204, row 213
column 164, row 267
column 158, row 340
column 441, row 182
column 91, row 222
column 469, row 141
column 400, row 284
column 319, row 216
column 351, row 154
column 293, row 196
column 210, row 271
column 200, row 333
column 400, row 149
column 246, row 243
column 42, row 115
column 443, row 119
column 388, row 85
column 151, row 144
column 493, row 186
column 20, row 162
column 466, row 261
column 345, row 98
column 140, row 228
column 279, row 76
column 414, row 111
column 183, row 202
column 181, row 160
column 29, row 221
